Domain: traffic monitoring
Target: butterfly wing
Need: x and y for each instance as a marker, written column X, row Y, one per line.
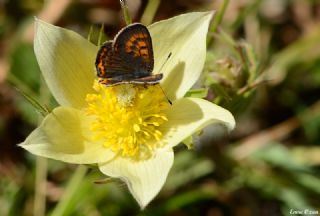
column 127, row 59
column 109, row 64
column 134, row 45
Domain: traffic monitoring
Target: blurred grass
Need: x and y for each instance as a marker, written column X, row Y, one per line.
column 263, row 64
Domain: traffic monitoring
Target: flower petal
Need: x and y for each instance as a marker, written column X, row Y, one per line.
column 63, row 136
column 185, row 37
column 187, row 115
column 66, row 61
column 144, row 178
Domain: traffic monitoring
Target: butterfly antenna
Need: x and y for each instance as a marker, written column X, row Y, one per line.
column 168, row 57
column 166, row 96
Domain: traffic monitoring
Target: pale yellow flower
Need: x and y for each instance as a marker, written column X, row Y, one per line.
column 128, row 131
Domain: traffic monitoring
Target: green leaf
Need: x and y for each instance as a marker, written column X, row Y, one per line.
column 309, row 181
column 38, row 107
column 197, row 93
column 278, row 155
column 187, row 168
column 307, row 155
column 306, row 49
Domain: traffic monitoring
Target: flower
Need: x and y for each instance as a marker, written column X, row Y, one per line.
column 128, row 130
column 128, row 118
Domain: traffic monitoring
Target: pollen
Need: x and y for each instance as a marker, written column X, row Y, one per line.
column 127, row 118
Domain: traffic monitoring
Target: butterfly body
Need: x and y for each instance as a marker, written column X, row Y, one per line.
column 128, row 58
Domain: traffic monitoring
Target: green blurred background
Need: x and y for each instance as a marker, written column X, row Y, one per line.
column 263, row 64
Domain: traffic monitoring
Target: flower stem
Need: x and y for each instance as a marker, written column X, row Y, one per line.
column 125, row 11
column 150, row 12
column 41, row 164
column 217, row 20
column 71, row 189
column 39, row 207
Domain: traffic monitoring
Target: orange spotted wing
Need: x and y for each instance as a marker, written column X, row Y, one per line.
column 128, row 58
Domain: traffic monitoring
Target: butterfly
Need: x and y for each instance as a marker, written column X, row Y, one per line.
column 128, row 58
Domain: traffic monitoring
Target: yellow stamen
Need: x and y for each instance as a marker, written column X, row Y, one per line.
column 127, row 118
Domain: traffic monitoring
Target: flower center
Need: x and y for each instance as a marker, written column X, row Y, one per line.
column 127, row 118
